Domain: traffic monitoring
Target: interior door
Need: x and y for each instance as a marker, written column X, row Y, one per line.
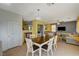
column 13, row 34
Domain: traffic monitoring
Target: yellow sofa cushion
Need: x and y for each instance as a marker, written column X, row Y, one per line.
column 76, row 37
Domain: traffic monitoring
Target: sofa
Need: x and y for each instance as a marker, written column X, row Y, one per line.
column 72, row 39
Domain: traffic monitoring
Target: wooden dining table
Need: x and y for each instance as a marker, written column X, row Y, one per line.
column 40, row 41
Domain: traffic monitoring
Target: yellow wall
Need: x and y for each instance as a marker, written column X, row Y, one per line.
column 77, row 28
column 35, row 24
column 76, row 37
column 48, row 27
column 25, row 25
column 34, row 30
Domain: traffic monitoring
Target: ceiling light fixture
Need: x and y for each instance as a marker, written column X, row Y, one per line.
column 38, row 16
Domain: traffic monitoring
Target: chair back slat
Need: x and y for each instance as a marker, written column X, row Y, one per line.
column 50, row 42
column 29, row 44
column 55, row 39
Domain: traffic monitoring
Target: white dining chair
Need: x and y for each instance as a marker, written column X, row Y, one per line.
column 49, row 47
column 30, row 48
column 55, row 42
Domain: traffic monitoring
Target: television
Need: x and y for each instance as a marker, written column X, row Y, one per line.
column 61, row 28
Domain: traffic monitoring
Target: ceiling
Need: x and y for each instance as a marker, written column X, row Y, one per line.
column 48, row 12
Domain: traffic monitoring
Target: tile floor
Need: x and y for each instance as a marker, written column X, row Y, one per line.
column 63, row 49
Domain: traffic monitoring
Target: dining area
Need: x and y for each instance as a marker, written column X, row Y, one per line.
column 41, row 45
